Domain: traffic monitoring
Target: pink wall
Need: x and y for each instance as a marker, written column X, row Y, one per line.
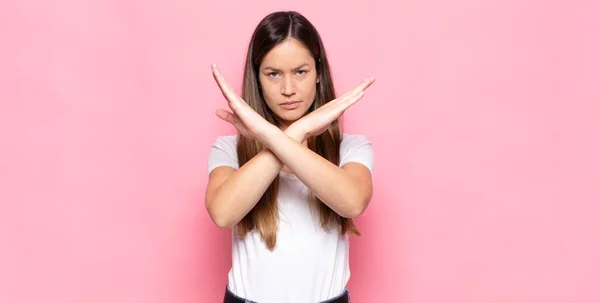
column 487, row 176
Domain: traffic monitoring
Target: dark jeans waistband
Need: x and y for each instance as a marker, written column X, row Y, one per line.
column 232, row 298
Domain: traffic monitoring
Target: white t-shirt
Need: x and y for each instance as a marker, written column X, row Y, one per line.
column 308, row 264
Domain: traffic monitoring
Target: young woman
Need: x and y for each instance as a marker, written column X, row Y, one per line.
column 290, row 182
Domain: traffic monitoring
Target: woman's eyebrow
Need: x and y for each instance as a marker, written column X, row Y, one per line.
column 278, row 70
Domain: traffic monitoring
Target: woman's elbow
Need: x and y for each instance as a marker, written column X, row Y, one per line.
column 219, row 219
column 356, row 212
column 357, row 209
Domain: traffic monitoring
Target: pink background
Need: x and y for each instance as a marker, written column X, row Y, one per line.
column 487, row 184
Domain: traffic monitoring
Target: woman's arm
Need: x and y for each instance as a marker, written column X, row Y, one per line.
column 231, row 194
column 347, row 190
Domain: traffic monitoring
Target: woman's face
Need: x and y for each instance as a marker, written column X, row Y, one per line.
column 288, row 78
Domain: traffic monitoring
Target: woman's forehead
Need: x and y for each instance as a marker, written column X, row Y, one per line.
column 289, row 54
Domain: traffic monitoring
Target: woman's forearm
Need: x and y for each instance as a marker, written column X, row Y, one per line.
column 231, row 199
column 337, row 188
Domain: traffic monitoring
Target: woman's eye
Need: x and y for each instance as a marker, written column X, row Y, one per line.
column 273, row 74
column 302, row 72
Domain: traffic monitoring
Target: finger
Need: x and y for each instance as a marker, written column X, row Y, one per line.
column 350, row 94
column 338, row 108
column 231, row 118
column 226, row 89
column 360, row 87
column 225, row 115
column 218, row 78
column 351, row 100
column 359, row 90
column 363, row 85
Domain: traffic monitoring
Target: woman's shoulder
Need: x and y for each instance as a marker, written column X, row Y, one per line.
column 223, row 151
column 226, row 139
column 226, row 143
column 357, row 148
column 353, row 139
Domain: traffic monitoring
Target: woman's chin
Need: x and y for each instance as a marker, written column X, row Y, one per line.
column 290, row 117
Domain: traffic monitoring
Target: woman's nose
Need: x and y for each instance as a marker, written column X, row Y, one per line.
column 288, row 87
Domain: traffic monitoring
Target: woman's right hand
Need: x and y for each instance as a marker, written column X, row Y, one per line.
column 247, row 122
column 320, row 119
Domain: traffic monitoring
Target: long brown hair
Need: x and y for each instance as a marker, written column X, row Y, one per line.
column 272, row 30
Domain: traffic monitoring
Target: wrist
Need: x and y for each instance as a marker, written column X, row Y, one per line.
column 296, row 132
column 269, row 135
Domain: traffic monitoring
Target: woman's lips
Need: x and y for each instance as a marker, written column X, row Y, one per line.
column 290, row 105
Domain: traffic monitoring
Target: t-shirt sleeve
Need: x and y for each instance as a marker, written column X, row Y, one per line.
column 223, row 152
column 357, row 148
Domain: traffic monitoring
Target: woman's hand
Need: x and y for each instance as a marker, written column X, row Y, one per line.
column 247, row 121
column 320, row 119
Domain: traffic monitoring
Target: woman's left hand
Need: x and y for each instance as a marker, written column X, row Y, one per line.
column 247, row 121
column 319, row 120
